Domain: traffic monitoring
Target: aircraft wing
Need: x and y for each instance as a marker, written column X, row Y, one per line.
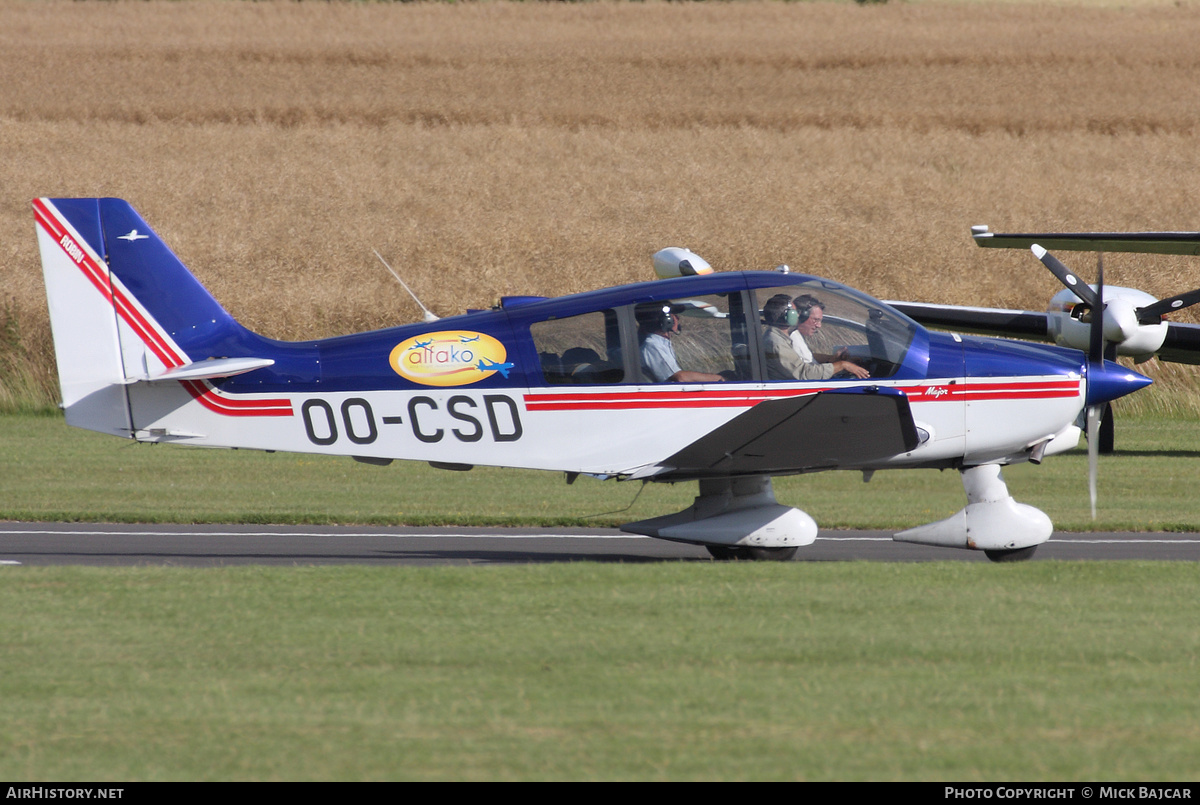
column 1182, row 343
column 827, row 430
column 1141, row 242
column 982, row 320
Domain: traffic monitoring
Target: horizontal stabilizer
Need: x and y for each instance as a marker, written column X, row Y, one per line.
column 210, row 369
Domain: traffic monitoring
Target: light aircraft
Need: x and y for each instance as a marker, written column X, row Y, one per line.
column 145, row 352
column 1132, row 320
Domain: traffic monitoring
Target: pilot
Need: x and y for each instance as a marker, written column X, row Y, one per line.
column 783, row 361
column 657, row 322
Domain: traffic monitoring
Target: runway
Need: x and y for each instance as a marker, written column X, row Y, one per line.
column 225, row 545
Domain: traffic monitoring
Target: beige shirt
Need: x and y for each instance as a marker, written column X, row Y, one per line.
column 784, row 363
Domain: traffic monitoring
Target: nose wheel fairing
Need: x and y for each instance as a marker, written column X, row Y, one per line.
column 991, row 521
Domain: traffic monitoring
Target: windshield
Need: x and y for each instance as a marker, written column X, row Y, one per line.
column 832, row 323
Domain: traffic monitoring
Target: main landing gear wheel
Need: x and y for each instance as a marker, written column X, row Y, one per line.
column 743, row 553
column 1012, row 555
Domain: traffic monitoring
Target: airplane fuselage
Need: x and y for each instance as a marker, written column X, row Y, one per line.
column 979, row 401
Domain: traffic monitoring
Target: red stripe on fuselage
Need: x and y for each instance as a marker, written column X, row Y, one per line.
column 625, row 400
column 234, row 406
column 934, row 392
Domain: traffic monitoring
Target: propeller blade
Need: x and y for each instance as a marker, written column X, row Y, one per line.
column 1096, row 332
column 1152, row 314
column 1065, row 275
column 1093, row 440
column 1095, row 361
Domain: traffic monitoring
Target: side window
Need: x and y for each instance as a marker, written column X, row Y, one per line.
column 697, row 334
column 580, row 350
column 704, row 342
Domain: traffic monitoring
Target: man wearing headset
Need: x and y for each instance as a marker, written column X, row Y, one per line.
column 657, row 322
column 783, row 361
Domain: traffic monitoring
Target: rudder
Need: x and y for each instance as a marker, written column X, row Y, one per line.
column 123, row 308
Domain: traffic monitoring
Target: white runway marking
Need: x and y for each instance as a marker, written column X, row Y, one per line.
column 1080, row 539
column 340, row 533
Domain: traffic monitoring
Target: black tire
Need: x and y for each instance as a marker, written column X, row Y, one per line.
column 726, row 553
column 1011, row 555
column 772, row 554
column 739, row 553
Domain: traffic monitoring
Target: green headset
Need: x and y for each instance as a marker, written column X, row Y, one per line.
column 780, row 312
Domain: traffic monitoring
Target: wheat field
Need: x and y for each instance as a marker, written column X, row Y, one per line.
column 491, row 148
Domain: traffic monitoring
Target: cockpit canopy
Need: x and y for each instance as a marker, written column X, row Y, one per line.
column 716, row 327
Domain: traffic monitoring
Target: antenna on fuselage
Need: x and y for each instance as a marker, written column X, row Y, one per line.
column 429, row 316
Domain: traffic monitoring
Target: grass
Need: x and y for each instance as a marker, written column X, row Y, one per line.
column 75, row 475
column 681, row 671
column 673, row 671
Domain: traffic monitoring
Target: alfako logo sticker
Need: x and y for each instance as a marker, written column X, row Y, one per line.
column 449, row 358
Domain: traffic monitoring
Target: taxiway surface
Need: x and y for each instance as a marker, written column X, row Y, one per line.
column 220, row 545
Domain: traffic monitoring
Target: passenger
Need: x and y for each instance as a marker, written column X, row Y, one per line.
column 783, row 360
column 811, row 312
column 657, row 322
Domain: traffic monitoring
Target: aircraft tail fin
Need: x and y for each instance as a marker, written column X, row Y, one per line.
column 124, row 309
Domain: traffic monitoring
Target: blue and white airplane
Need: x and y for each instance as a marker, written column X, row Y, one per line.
column 144, row 352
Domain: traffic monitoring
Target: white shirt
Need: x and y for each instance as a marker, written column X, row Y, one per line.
column 802, row 348
column 658, row 357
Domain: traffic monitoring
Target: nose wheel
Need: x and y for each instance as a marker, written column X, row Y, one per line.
column 1014, row 555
